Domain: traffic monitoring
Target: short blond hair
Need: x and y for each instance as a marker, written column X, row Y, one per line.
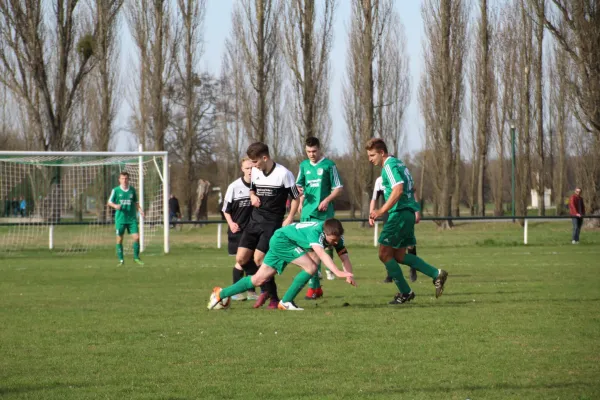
column 244, row 160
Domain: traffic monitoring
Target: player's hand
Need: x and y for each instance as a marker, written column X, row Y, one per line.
column 351, row 281
column 417, row 217
column 142, row 214
column 374, row 215
column 254, row 200
column 342, row 274
column 235, row 228
column 323, row 206
column 371, row 221
column 287, row 221
column 117, row 207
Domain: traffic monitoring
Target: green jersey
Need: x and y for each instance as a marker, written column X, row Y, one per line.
column 306, row 234
column 127, row 199
column 394, row 173
column 318, row 181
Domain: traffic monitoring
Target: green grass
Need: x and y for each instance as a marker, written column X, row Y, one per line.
column 515, row 322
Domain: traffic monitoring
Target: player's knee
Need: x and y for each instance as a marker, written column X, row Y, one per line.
column 312, row 268
column 258, row 280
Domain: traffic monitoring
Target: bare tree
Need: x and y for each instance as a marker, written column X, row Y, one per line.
column 308, row 39
column 154, row 33
column 255, row 28
column 29, row 69
column 442, row 95
column 575, row 24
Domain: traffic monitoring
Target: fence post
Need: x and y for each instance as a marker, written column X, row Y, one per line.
column 375, row 233
column 219, row 235
column 525, row 232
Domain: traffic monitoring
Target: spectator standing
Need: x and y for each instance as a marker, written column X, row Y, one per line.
column 23, row 206
column 174, row 211
column 15, row 206
column 577, row 211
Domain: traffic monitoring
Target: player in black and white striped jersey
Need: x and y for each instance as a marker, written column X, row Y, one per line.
column 271, row 185
column 236, row 210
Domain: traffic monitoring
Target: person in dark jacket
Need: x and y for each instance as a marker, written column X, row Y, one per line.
column 577, row 211
column 174, row 211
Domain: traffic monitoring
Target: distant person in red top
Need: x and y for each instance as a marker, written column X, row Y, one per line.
column 577, row 211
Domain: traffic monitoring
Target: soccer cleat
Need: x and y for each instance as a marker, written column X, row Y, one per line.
column 251, row 295
column 121, row 263
column 319, row 292
column 413, row 275
column 273, row 304
column 138, row 261
column 439, row 282
column 215, row 298
column 238, row 297
column 401, row 298
column 330, row 275
column 573, row 242
column 261, row 300
column 388, row 279
column 289, row 306
column 311, row 294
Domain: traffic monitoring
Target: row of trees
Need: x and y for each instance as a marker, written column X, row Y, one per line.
column 528, row 64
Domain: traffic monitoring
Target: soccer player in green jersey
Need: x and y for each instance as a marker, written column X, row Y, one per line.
column 320, row 182
column 124, row 199
column 302, row 244
column 399, row 231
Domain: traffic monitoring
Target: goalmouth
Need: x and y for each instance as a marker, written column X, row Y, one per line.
column 58, row 200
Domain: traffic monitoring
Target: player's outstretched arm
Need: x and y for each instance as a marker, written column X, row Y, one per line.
column 328, row 262
column 347, row 266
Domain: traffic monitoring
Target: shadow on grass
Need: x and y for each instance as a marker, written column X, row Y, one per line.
column 28, row 388
column 493, row 387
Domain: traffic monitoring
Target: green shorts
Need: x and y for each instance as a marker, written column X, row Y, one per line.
column 399, row 230
column 131, row 228
column 281, row 252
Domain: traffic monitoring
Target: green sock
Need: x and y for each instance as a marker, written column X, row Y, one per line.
column 420, row 265
column 315, row 282
column 396, row 273
column 136, row 250
column 240, row 286
column 297, row 284
column 120, row 251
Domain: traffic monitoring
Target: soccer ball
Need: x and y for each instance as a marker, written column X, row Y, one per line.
column 224, row 304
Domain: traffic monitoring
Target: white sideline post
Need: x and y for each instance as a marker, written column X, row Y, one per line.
column 375, row 233
column 166, row 192
column 525, row 232
column 219, row 228
column 51, row 237
column 141, row 196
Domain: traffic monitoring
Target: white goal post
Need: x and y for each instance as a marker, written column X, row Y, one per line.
column 62, row 196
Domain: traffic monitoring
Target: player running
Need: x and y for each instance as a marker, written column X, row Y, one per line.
column 237, row 210
column 320, row 184
column 399, row 231
column 377, row 193
column 270, row 186
column 302, row 244
column 124, row 199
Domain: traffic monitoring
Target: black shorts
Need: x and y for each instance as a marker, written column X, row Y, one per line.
column 256, row 236
column 233, row 242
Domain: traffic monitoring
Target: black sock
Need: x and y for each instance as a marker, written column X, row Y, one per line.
column 237, row 274
column 413, row 250
column 250, row 268
column 270, row 287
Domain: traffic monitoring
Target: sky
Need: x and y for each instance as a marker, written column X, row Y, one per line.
column 218, row 27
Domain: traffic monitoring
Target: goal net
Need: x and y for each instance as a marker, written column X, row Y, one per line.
column 58, row 200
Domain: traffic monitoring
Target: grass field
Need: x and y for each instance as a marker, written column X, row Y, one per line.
column 515, row 322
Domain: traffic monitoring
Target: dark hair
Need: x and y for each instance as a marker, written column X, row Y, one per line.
column 312, row 142
column 124, row 173
column 257, row 149
column 376, row 144
column 333, row 226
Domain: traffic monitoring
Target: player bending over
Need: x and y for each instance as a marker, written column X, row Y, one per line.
column 124, row 199
column 399, row 231
column 302, row 244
